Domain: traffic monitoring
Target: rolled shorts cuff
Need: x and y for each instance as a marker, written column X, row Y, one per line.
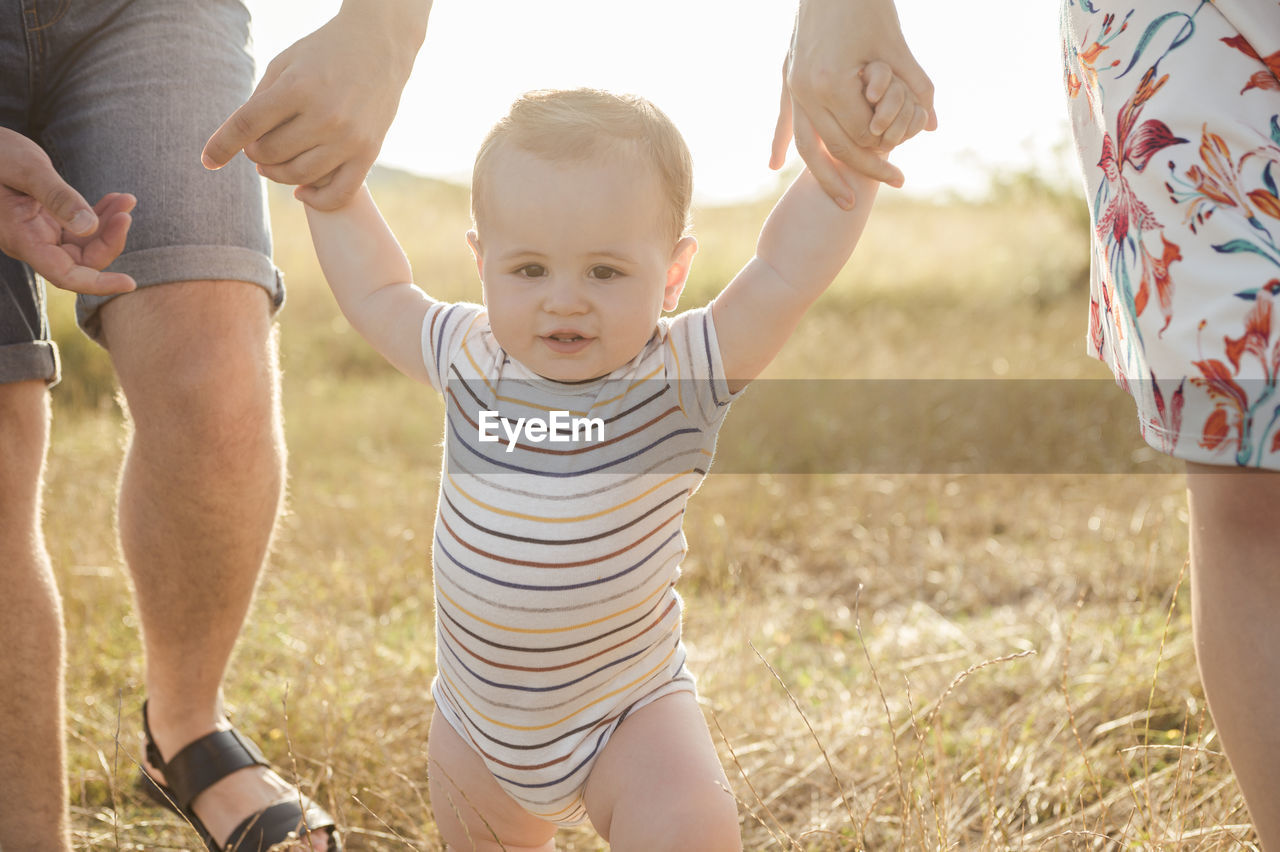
column 26, row 362
column 170, row 264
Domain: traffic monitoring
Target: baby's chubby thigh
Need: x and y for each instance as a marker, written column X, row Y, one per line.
column 473, row 813
column 659, row 785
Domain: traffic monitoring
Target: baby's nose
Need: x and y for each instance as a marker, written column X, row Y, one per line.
column 563, row 297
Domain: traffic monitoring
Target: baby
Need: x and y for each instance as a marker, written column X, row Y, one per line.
column 579, row 421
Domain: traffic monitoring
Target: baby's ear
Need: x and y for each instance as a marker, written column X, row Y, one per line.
column 678, row 271
column 473, row 240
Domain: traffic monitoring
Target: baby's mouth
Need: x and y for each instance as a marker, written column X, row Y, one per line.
column 566, row 342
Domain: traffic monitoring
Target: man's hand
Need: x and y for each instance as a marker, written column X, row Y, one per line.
column 49, row 226
column 825, row 104
column 318, row 117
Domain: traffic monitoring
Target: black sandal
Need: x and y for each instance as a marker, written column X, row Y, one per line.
column 201, row 764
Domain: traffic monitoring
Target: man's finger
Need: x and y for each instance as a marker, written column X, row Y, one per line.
column 32, row 173
column 83, row 279
column 285, row 141
column 308, row 168
column 115, row 202
column 56, row 266
column 107, row 246
column 257, row 117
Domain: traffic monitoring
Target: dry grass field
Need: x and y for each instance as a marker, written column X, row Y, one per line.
column 924, row 652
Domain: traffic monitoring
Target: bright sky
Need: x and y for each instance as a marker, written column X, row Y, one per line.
column 714, row 66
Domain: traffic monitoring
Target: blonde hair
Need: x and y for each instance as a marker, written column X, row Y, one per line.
column 582, row 124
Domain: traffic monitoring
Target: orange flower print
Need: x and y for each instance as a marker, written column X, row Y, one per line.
column 1086, row 59
column 1155, row 271
column 1236, row 417
column 1266, row 79
column 1216, row 430
column 1266, row 202
column 1230, row 404
column 1257, row 334
column 1088, row 63
column 1125, row 219
column 1217, row 184
column 1215, row 153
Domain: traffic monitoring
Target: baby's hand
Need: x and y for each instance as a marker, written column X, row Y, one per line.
column 898, row 115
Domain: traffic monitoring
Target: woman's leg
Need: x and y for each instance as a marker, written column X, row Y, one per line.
column 1235, row 600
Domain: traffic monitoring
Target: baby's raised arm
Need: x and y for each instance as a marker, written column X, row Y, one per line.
column 805, row 242
column 372, row 281
column 803, row 245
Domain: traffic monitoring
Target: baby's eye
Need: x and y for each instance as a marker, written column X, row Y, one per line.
column 604, row 273
column 532, row 270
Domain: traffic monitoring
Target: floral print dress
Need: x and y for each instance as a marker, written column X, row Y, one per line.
column 1175, row 109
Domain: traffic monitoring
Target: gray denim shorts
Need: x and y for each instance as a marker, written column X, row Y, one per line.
column 122, row 94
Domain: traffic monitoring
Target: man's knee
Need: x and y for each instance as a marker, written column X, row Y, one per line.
column 214, row 396
column 197, row 363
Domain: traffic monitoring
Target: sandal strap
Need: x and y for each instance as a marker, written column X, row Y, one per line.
column 202, row 763
column 269, row 827
column 153, row 751
column 206, row 761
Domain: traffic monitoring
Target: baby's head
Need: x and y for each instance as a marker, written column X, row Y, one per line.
column 580, row 201
column 585, row 125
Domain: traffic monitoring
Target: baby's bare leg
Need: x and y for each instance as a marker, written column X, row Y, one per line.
column 474, row 814
column 659, row 784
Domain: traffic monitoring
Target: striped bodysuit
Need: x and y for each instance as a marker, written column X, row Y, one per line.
column 555, row 563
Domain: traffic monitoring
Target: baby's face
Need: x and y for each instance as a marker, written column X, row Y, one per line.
column 577, row 261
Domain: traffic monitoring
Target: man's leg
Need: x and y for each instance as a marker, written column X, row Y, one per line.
column 33, row 787
column 199, row 493
column 1235, row 588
